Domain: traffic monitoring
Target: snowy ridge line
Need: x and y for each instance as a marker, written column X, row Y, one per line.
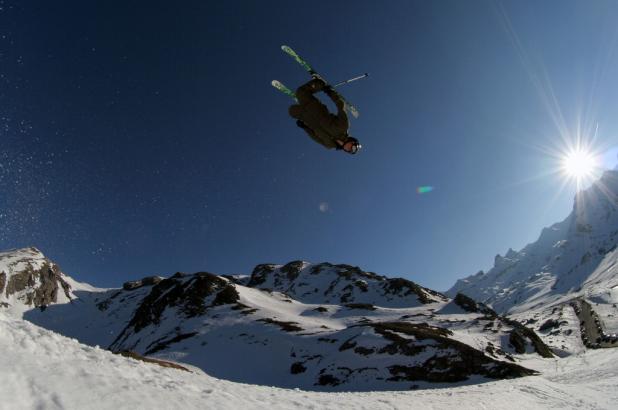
column 577, row 257
column 314, row 326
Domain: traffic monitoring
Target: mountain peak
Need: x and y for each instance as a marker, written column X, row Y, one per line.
column 28, row 279
column 329, row 283
column 567, row 257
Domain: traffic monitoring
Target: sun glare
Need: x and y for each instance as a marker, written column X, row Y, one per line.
column 579, row 164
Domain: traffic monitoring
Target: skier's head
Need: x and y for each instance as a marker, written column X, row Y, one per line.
column 351, row 145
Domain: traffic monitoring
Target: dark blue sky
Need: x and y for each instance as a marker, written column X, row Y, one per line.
column 143, row 137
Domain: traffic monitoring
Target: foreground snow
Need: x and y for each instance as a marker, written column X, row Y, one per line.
column 41, row 369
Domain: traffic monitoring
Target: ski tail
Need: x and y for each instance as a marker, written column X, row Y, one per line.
column 285, row 90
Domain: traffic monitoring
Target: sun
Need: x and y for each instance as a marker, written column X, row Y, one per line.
column 579, row 164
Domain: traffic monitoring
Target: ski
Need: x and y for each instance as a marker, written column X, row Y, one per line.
column 311, row 71
column 285, row 90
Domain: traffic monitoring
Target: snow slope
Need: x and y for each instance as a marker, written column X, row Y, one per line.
column 577, row 257
column 43, row 370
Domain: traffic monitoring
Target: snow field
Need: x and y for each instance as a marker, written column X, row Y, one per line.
column 49, row 371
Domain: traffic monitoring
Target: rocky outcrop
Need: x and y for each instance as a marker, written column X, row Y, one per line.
column 38, row 287
column 260, row 274
column 454, row 361
column 191, row 295
column 147, row 281
column 470, row 305
column 521, row 334
column 342, row 284
column 188, row 295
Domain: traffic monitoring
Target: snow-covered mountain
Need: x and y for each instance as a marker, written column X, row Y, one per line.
column 313, row 326
column 28, row 279
column 575, row 257
column 340, row 284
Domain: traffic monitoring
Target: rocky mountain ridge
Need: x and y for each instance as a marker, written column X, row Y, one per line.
column 313, row 326
column 573, row 258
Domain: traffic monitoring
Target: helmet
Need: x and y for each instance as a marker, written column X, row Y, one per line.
column 356, row 146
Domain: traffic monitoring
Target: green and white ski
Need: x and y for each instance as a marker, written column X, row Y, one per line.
column 285, row 90
column 311, row 71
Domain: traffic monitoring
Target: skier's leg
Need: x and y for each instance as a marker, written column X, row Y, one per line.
column 305, row 92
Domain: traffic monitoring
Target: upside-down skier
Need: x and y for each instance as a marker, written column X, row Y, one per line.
column 311, row 115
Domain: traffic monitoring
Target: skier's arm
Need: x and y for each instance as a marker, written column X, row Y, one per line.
column 330, row 91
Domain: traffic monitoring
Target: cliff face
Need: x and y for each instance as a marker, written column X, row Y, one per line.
column 28, row 279
column 570, row 258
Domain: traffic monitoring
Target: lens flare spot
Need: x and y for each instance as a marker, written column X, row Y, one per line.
column 424, row 189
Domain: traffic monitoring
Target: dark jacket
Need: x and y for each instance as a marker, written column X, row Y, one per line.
column 322, row 126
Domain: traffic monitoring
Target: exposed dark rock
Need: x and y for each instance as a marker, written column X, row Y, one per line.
column 297, row 368
column 162, row 363
column 292, row 269
column 470, row 305
column 260, row 273
column 517, row 341
column 549, row 324
column 104, row 305
column 136, row 284
column 316, row 269
column 2, row 281
column 248, row 311
column 187, row 294
column 456, row 362
column 364, row 350
column 404, row 287
column 321, row 309
column 456, row 368
column 525, row 332
column 20, row 281
column 364, row 306
column 227, row 296
column 328, row 380
column 49, row 280
column 362, row 285
column 348, row 344
column 349, row 272
column 287, row 326
column 160, row 345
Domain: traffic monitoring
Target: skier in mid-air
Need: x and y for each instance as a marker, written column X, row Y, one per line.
column 325, row 128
